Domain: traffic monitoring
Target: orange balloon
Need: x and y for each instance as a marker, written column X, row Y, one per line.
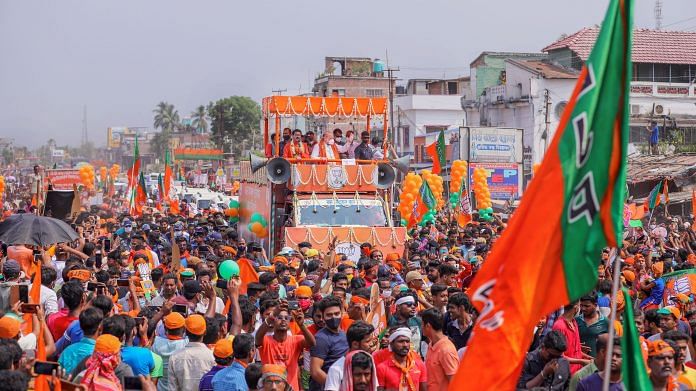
column 256, row 227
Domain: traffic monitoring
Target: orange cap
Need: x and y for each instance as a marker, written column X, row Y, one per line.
column 303, row 291
column 223, row 348
column 195, row 324
column 9, row 327
column 107, row 343
column 281, row 259
column 392, row 257
column 656, row 348
column 174, row 320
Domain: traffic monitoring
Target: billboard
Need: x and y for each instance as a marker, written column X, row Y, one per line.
column 63, row 179
column 114, row 136
column 504, row 179
column 483, row 144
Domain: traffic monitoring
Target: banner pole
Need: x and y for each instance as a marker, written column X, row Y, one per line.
column 616, row 273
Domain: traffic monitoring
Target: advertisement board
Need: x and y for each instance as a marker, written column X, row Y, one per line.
column 63, row 179
column 484, row 144
column 504, row 179
column 114, row 135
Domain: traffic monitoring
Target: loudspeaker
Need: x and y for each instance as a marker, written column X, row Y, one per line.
column 385, row 175
column 278, row 170
column 402, row 164
column 256, row 162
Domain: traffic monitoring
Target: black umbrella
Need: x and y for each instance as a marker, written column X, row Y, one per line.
column 26, row 228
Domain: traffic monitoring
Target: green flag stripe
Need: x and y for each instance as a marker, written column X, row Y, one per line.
column 586, row 150
column 634, row 374
column 654, row 193
column 441, row 149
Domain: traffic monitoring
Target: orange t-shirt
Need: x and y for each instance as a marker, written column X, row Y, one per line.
column 345, row 323
column 24, row 256
column 286, row 354
column 442, row 361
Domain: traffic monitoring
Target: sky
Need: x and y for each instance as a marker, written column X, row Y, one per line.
column 119, row 58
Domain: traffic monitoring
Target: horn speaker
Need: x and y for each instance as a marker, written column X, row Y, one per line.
column 385, row 175
column 278, row 170
column 256, row 162
column 402, row 164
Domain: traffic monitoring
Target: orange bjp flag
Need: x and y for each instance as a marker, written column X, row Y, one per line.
column 549, row 253
column 247, row 274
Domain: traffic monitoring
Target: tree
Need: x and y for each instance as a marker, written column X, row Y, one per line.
column 159, row 143
column 200, row 120
column 166, row 117
column 234, row 121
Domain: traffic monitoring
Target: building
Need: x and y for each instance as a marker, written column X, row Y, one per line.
column 430, row 105
column 664, row 73
column 351, row 76
column 530, row 90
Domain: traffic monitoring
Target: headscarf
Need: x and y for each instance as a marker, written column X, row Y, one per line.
column 658, row 347
column 101, row 366
column 347, row 383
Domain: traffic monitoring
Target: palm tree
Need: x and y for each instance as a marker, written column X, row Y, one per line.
column 166, row 117
column 200, row 122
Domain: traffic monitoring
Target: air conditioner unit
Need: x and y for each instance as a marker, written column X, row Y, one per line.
column 635, row 109
column 659, row 109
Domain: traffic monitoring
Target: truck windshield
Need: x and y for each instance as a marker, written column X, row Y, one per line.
column 330, row 213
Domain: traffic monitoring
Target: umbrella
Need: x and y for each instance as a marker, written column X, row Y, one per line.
column 26, row 228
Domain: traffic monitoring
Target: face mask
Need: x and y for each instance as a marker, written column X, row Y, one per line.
column 286, row 138
column 128, row 229
column 333, row 323
column 304, row 304
column 338, row 139
column 386, row 293
column 286, row 279
column 330, row 142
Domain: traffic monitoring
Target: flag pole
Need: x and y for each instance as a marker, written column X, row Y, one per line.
column 616, row 261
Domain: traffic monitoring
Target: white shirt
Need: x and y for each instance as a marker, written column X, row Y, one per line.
column 335, row 375
column 329, row 151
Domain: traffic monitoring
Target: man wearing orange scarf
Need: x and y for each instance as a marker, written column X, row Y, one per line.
column 403, row 371
column 101, row 367
column 296, row 149
column 661, row 366
column 326, row 148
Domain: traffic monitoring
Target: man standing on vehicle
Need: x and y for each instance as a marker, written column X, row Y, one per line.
column 296, row 149
column 364, row 151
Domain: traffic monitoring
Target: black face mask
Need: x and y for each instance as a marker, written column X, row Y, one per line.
column 286, row 138
column 333, row 323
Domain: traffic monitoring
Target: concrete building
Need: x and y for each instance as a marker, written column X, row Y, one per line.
column 530, row 90
column 430, row 105
column 664, row 73
column 351, row 76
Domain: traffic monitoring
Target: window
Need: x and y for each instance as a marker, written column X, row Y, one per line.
column 338, row 92
column 373, row 92
column 680, row 73
column 452, row 88
column 407, row 136
column 643, row 72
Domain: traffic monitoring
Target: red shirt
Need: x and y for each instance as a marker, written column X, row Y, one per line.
column 389, row 375
column 58, row 322
column 572, row 336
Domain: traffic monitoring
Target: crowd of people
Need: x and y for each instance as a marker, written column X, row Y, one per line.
column 117, row 311
column 332, row 145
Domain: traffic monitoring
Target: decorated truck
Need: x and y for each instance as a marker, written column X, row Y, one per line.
column 287, row 201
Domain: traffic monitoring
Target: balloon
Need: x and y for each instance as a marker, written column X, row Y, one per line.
column 256, row 227
column 233, row 219
column 403, row 222
column 256, row 218
column 228, row 269
column 233, row 212
column 263, row 223
column 234, row 204
column 262, row 233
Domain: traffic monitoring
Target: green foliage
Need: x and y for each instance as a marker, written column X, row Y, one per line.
column 160, row 142
column 234, row 120
column 200, row 120
column 166, row 117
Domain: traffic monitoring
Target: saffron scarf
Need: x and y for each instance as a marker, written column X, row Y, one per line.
column 322, row 150
column 405, row 369
column 100, row 374
column 347, row 383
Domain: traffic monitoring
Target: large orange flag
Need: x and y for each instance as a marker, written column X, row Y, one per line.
column 247, row 274
column 550, row 251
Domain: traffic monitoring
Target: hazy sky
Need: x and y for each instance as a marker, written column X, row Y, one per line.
column 121, row 58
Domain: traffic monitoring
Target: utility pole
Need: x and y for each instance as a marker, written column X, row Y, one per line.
column 390, row 73
column 85, row 136
column 658, row 14
column 547, row 121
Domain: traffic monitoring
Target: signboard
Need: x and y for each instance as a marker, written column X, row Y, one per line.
column 58, row 153
column 504, row 179
column 351, row 250
column 63, row 179
column 491, row 145
column 114, row 136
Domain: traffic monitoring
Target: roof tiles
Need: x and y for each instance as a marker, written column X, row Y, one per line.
column 649, row 46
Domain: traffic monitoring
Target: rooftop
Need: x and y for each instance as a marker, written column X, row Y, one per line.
column 649, row 46
column 546, row 69
column 507, row 55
